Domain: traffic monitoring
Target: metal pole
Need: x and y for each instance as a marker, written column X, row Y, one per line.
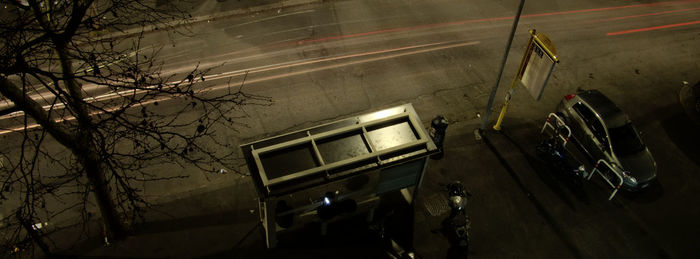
column 485, row 120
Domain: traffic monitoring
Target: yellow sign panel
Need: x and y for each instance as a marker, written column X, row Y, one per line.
column 537, row 64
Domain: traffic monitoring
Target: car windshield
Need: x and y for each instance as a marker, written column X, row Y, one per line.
column 625, row 140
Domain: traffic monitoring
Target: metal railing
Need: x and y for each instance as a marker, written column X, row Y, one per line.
column 616, row 187
column 556, row 127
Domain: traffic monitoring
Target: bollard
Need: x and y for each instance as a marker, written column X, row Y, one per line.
column 438, row 126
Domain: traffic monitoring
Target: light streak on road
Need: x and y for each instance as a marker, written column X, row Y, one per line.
column 612, row 8
column 311, row 70
column 417, row 49
column 644, row 15
column 86, row 88
column 292, row 64
column 652, row 28
column 313, row 61
column 492, row 19
column 462, row 22
column 70, row 118
column 253, row 70
column 425, row 26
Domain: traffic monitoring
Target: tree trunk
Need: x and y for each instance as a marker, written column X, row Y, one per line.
column 81, row 146
column 115, row 228
column 88, row 154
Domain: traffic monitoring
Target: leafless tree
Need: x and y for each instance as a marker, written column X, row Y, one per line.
column 103, row 99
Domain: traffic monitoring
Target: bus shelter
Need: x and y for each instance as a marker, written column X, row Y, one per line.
column 342, row 168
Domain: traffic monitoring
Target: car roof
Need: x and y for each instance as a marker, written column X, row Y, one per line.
column 606, row 109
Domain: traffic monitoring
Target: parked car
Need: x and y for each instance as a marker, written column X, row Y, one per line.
column 603, row 131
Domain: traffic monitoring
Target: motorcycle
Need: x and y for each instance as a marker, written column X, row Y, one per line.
column 552, row 152
column 457, row 225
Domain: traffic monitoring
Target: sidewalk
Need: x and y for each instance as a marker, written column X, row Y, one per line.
column 518, row 209
column 224, row 222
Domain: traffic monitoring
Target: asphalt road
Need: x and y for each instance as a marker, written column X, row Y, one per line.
column 332, row 60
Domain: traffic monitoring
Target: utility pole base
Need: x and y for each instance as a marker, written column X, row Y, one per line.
column 477, row 135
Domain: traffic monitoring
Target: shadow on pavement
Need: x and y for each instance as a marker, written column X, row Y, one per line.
column 557, row 181
column 557, row 229
column 97, row 256
column 179, row 224
column 236, row 233
column 648, row 195
column 352, row 237
column 683, row 132
column 345, row 239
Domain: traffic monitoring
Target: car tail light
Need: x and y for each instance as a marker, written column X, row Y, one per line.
column 569, row 96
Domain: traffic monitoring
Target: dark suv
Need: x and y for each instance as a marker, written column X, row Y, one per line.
column 604, row 132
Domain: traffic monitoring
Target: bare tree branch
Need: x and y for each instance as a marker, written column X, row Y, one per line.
column 107, row 102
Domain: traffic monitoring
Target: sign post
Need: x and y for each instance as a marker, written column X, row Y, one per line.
column 534, row 70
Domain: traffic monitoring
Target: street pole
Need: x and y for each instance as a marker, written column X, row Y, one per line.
column 509, row 94
column 485, row 119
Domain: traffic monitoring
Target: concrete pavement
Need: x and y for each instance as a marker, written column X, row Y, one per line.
column 519, row 208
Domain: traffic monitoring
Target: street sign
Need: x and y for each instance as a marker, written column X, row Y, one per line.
column 538, row 64
column 534, row 70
